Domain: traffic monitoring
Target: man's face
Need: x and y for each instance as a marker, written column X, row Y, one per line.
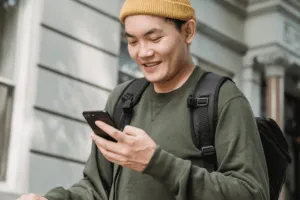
column 156, row 46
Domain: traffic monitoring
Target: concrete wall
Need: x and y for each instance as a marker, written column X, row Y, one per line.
column 77, row 69
column 219, row 27
column 220, row 18
column 8, row 196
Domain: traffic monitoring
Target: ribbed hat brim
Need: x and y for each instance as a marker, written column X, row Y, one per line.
column 162, row 8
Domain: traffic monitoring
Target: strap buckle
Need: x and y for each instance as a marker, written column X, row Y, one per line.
column 127, row 106
column 127, row 96
column 197, row 101
column 208, row 150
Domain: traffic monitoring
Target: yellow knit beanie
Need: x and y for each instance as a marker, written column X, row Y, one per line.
column 175, row 9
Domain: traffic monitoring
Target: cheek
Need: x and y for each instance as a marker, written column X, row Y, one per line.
column 132, row 52
column 172, row 50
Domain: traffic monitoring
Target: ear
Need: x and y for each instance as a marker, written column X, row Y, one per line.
column 189, row 31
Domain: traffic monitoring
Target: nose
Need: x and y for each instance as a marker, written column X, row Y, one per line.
column 145, row 51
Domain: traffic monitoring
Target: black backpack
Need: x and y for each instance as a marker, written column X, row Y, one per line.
column 203, row 105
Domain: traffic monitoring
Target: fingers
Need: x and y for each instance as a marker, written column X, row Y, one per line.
column 109, row 146
column 31, row 197
column 132, row 131
column 106, row 144
column 113, row 132
column 113, row 157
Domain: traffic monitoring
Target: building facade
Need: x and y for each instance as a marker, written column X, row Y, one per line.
column 59, row 58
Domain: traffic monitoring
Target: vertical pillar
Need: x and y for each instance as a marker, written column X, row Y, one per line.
column 275, row 93
column 275, row 99
column 252, row 88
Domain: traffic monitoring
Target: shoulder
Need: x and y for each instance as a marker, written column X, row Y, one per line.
column 229, row 92
column 115, row 95
column 117, row 91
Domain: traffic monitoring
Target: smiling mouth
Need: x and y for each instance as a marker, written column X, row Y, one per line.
column 151, row 64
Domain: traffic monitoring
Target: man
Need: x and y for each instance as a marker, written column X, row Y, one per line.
column 156, row 151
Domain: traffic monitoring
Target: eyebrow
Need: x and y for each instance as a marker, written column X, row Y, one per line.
column 151, row 31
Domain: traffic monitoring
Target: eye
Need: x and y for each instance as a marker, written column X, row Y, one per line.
column 132, row 43
column 157, row 39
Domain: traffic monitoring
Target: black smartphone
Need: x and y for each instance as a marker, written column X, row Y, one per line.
column 92, row 116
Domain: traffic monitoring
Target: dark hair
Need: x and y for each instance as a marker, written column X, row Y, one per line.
column 178, row 23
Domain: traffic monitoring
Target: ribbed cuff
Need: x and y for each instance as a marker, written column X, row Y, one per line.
column 166, row 168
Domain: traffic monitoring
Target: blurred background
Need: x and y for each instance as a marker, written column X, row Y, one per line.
column 61, row 57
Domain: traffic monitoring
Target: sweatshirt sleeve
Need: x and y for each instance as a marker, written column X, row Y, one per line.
column 241, row 173
column 98, row 172
column 95, row 184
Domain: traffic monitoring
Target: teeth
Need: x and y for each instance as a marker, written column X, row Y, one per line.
column 151, row 65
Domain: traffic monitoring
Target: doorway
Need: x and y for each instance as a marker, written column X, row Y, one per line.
column 292, row 130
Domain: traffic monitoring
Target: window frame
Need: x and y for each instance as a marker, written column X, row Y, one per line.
column 26, row 30
column 9, row 84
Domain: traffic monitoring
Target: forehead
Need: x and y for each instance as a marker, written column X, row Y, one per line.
column 142, row 23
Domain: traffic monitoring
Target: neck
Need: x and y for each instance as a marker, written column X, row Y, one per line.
column 176, row 81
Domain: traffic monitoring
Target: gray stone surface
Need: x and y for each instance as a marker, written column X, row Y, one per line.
column 8, row 196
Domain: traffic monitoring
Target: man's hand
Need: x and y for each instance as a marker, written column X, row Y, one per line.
column 31, row 197
column 133, row 149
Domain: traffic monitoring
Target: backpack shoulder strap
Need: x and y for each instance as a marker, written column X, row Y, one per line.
column 130, row 96
column 123, row 110
column 203, row 104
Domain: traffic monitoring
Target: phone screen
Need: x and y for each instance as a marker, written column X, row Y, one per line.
column 92, row 116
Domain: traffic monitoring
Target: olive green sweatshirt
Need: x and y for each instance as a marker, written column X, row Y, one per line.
column 176, row 169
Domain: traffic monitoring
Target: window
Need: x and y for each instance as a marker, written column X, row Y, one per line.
column 128, row 69
column 6, row 91
column 7, row 50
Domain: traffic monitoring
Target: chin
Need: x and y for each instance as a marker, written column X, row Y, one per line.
column 153, row 78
